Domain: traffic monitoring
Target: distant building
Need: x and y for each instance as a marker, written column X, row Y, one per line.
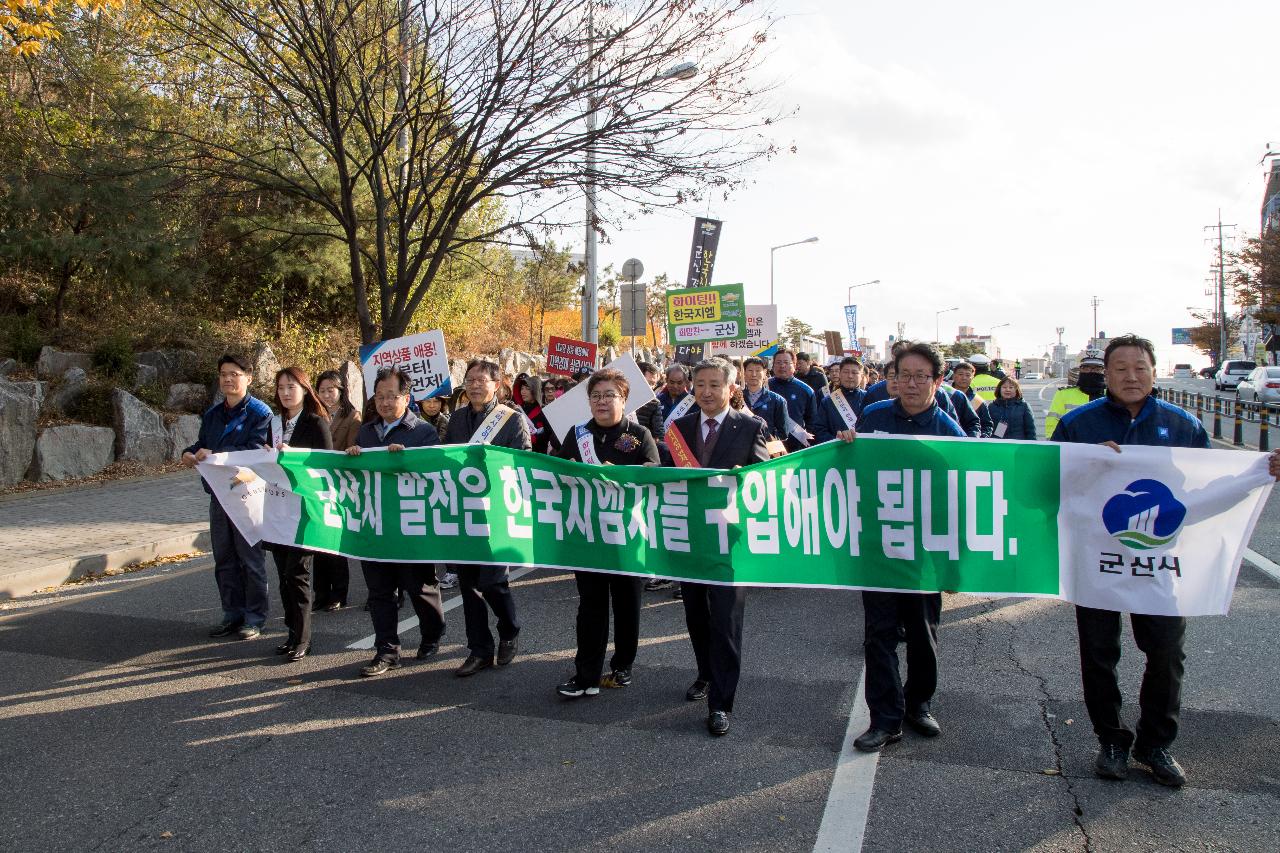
column 1271, row 198
column 984, row 344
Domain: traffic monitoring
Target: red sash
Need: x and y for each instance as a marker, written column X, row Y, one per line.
column 680, row 451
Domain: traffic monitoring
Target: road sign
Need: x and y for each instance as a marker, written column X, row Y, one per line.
column 635, row 308
column 1182, row 337
column 632, row 269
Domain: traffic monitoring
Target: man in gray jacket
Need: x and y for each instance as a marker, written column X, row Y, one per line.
column 486, row 421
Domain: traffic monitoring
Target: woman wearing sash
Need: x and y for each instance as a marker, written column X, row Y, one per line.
column 608, row 438
column 304, row 424
column 484, row 420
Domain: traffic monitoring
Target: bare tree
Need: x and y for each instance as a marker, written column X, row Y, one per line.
column 395, row 119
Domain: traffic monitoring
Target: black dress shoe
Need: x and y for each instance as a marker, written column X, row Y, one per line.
column 379, row 665
column 285, row 647
column 924, row 723
column 874, row 740
column 1112, row 762
column 472, row 665
column 1164, row 767
column 297, row 653
column 697, row 691
column 718, row 723
column 506, row 651
column 427, row 650
column 226, row 629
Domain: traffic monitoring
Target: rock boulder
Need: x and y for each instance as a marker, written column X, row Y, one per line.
column 183, row 433
column 53, row 363
column 72, row 450
column 171, row 365
column 18, row 414
column 141, row 435
column 145, row 375
column 187, row 397
column 7, row 366
column 73, row 385
column 265, row 365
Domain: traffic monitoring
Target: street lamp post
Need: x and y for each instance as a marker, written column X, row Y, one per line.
column 937, row 317
column 848, row 299
column 773, row 249
column 590, row 299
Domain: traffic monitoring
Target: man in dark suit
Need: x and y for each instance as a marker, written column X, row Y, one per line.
column 720, row 438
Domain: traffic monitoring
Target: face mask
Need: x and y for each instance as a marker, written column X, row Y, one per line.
column 1093, row 384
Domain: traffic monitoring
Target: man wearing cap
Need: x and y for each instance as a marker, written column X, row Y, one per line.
column 1091, row 383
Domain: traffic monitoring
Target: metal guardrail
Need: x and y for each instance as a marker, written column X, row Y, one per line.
column 1240, row 412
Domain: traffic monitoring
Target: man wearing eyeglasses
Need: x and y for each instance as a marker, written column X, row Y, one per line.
column 485, row 587
column 914, row 412
column 239, row 422
column 397, row 428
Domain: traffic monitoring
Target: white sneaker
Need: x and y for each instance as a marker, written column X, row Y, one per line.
column 448, row 580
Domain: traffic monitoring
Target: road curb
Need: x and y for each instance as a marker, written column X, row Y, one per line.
column 26, row 581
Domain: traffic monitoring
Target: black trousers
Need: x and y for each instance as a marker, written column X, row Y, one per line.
column 418, row 580
column 595, row 589
column 1160, row 700
column 713, row 615
column 485, row 587
column 331, row 577
column 918, row 613
column 293, row 565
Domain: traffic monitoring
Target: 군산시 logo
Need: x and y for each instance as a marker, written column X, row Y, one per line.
column 1145, row 515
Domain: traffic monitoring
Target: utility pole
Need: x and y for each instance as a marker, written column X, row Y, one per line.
column 1095, row 302
column 1221, row 302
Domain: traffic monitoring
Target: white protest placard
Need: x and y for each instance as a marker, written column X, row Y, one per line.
column 574, row 408
column 761, row 339
column 422, row 356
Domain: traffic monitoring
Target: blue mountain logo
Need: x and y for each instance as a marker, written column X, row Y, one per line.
column 1145, row 515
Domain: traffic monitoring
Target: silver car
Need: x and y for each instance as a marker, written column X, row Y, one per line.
column 1262, row 385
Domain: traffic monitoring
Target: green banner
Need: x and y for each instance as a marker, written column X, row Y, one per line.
column 886, row 513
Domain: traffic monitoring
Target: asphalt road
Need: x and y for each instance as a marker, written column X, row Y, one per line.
column 123, row 727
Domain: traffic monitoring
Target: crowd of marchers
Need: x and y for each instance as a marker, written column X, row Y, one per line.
column 721, row 414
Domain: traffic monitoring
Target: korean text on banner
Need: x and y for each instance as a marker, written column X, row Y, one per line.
column 1150, row 530
column 704, row 314
column 761, row 339
column 566, row 356
column 422, row 356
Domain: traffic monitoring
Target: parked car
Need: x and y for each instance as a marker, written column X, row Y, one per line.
column 1183, row 371
column 1262, row 385
column 1230, row 374
column 1031, row 376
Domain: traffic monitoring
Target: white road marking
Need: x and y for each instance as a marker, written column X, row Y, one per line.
column 1266, row 566
column 844, row 820
column 412, row 621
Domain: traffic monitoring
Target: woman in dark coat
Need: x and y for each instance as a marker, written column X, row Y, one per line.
column 305, row 423
column 527, row 394
column 1010, row 413
column 607, row 439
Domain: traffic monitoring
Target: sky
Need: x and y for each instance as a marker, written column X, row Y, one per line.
column 1011, row 159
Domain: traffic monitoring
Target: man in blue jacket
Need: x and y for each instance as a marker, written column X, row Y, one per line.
column 1128, row 414
column 762, row 402
column 837, row 413
column 954, row 404
column 914, row 412
column 239, row 422
column 962, row 382
column 397, row 428
column 802, row 406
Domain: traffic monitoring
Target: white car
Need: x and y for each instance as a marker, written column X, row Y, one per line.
column 1183, row 371
column 1230, row 374
column 1027, row 377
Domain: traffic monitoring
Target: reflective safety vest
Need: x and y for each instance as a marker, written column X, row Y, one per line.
column 984, row 385
column 1063, row 402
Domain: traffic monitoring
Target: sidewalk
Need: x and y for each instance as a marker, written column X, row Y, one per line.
column 50, row 537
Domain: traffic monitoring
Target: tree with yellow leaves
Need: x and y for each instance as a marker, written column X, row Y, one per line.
column 26, row 26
